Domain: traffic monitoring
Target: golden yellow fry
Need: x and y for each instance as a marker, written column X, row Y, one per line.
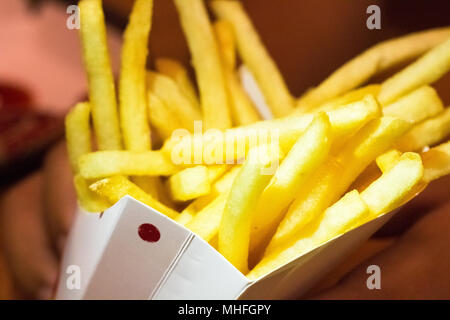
column 226, row 181
column 116, row 187
column 224, row 33
column 132, row 81
column 189, row 183
column 376, row 59
column 310, row 150
column 148, row 184
column 331, row 180
column 133, row 89
column 221, row 186
column 242, row 110
column 436, row 162
column 233, row 144
column 416, row 106
column 234, row 231
column 391, row 189
column 161, row 117
column 388, row 159
column 216, row 171
column 206, row 222
column 194, row 207
column 78, row 133
column 175, row 70
column 426, row 133
column 78, row 137
column 427, row 69
column 206, row 60
column 347, row 98
column 241, row 107
column 169, row 93
column 102, row 96
column 256, row 57
column 347, row 120
column 101, row 164
column 369, row 175
column 336, row 220
column 87, row 199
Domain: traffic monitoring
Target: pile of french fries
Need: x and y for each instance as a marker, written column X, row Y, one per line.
column 262, row 192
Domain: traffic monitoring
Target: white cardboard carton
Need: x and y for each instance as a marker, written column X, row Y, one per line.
column 116, row 263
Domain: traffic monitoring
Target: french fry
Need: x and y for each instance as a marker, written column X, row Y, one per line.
column 375, row 60
column 221, row 186
column 206, row 60
column 216, row 146
column 388, row 159
column 78, row 138
column 226, row 181
column 194, row 207
column 133, row 89
column 337, row 137
column 427, row 133
column 347, row 98
column 242, row 110
column 352, row 210
column 234, row 230
column 336, row 220
column 335, row 175
column 224, row 33
column 206, row 222
column 175, row 70
column 215, row 172
column 436, row 162
column 416, row 106
column 427, row 69
column 392, row 188
column 369, row 175
column 132, row 83
column 307, row 154
column 347, row 120
column 101, row 164
column 102, row 96
column 167, row 90
column 116, row 187
column 241, row 107
column 78, row 133
column 148, row 184
column 161, row 117
column 87, row 199
column 189, row 183
column 256, row 57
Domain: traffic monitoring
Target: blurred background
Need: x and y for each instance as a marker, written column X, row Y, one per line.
column 41, row 74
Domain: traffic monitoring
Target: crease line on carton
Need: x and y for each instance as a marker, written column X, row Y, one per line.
column 172, row 266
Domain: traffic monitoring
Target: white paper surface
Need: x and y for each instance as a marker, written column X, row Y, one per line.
column 116, row 263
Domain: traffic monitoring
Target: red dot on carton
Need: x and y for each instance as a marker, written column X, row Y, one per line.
column 148, row 232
